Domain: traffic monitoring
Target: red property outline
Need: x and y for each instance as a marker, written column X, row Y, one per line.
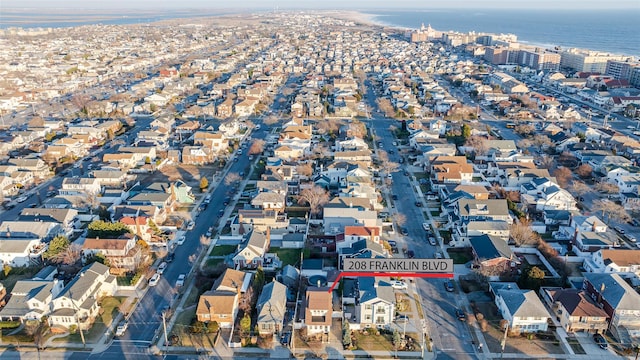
column 396, row 274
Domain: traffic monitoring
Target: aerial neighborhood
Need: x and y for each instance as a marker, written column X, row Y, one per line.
column 197, row 188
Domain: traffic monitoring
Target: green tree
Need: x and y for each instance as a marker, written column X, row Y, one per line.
column 6, row 270
column 466, row 131
column 245, row 325
column 56, row 246
column 204, row 184
column 99, row 257
column 106, row 229
column 212, row 327
column 104, row 214
column 346, row 337
column 532, row 278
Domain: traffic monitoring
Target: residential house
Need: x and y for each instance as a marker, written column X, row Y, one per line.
column 376, row 303
column 251, row 255
column 343, row 211
column 30, row 299
column 216, row 142
column 352, row 234
column 197, row 155
column 575, row 310
column 318, row 310
column 122, row 253
column 523, row 310
column 220, row 304
column 76, row 186
column 67, row 218
column 37, row 167
column 272, row 307
column 269, row 201
column 78, row 303
column 492, row 254
column 619, row 300
column 183, row 192
column 625, row 262
column 450, row 169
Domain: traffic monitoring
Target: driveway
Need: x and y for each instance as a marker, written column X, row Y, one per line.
column 590, row 346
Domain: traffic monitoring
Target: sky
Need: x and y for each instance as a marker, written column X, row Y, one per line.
column 325, row 4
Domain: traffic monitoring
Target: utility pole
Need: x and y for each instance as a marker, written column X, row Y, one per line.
column 503, row 343
column 164, row 327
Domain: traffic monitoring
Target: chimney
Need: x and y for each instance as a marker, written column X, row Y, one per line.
column 8, row 232
column 318, row 283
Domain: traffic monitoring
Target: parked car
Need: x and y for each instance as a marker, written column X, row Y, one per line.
column 425, row 226
column 180, row 281
column 402, row 318
column 394, row 197
column 22, row 199
column 439, row 255
column 170, row 257
column 191, row 225
column 122, row 328
column 411, row 254
column 227, row 200
column 8, row 206
column 162, row 267
column 418, row 204
column 154, row 279
column 619, row 229
column 631, row 238
column 432, row 241
column 392, row 243
column 461, row 315
column 181, row 240
column 600, row 340
column 209, row 232
column 404, row 231
column 399, row 285
column 448, row 285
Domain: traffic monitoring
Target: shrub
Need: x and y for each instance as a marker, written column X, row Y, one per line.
column 9, row 324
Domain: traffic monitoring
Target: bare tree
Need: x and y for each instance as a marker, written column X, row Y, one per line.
column 400, row 219
column 524, row 144
column 525, row 129
column 607, row 187
column 579, row 188
column 611, row 211
column 271, row 120
column 522, row 233
column 584, row 171
column 357, row 129
column 305, row 169
column 316, row 197
column 232, row 178
column 80, row 101
column 257, row 147
column 38, row 330
column 546, row 162
column 69, row 256
column 563, row 175
column 479, row 145
column 542, row 141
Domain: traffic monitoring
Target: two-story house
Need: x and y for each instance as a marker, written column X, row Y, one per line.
column 30, row 299
column 251, row 255
column 122, row 253
column 77, row 304
column 619, row 300
column 621, row 261
column 376, row 304
column 523, row 310
column 575, row 310
column 318, row 311
column 220, row 304
column 272, row 307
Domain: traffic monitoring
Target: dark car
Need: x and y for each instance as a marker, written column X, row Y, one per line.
column 448, row 285
column 411, row 254
column 404, row 232
column 8, row 206
column 170, row 257
column 220, row 213
column 418, row 204
column 394, row 197
column 461, row 315
column 227, row 200
column 600, row 340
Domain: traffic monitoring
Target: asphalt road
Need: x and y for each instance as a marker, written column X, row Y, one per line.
column 451, row 337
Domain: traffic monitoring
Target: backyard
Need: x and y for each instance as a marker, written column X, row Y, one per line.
column 288, row 256
column 223, row 250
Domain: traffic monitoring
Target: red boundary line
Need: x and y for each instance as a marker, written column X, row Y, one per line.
column 397, row 274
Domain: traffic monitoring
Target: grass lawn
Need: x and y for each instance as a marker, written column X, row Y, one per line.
column 373, row 342
column 213, row 262
column 460, row 257
column 223, row 250
column 287, row 256
column 110, row 305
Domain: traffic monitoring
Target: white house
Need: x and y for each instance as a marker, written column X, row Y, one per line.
column 522, row 309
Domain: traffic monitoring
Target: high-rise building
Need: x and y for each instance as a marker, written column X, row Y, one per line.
column 587, row 61
column 539, row 59
column 497, row 55
column 634, row 77
column 620, row 69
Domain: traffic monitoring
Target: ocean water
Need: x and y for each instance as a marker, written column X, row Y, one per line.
column 615, row 31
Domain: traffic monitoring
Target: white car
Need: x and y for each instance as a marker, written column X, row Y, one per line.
column 425, row 226
column 399, row 285
column 180, row 281
column 22, row 199
column 120, row 330
column 161, row 268
column 155, row 279
column 181, row 240
column 257, row 126
column 191, row 225
column 239, row 151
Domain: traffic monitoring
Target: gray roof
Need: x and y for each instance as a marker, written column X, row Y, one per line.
column 13, row 246
column 27, row 229
column 47, row 214
column 492, row 207
column 489, row 247
column 523, row 303
column 369, row 290
column 487, row 225
column 272, row 303
column 617, row 292
column 23, row 291
column 80, row 284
